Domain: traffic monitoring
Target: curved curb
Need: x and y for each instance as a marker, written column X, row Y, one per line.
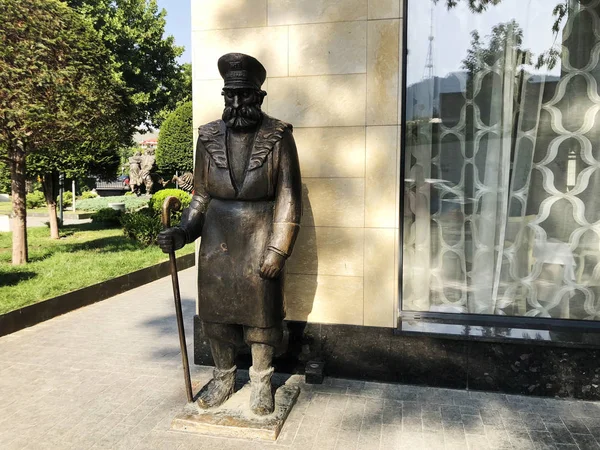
column 48, row 309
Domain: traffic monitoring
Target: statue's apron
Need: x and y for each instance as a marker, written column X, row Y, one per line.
column 235, row 234
column 233, row 244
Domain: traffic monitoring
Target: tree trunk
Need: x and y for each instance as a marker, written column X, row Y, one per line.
column 19, row 221
column 48, row 185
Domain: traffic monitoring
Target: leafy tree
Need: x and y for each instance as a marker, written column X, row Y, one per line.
column 133, row 31
column 77, row 161
column 480, row 54
column 175, row 142
column 185, row 90
column 547, row 58
column 474, row 5
column 57, row 88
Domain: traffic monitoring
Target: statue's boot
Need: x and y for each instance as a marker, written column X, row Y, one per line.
column 261, row 396
column 218, row 390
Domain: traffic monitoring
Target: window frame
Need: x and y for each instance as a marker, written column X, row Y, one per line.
column 469, row 319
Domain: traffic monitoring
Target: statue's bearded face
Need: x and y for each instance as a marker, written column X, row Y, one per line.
column 242, row 108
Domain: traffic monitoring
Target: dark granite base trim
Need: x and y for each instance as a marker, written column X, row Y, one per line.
column 53, row 307
column 381, row 354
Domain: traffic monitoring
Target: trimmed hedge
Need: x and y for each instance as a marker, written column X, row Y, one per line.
column 67, row 199
column 95, row 204
column 88, row 194
column 158, row 199
column 35, row 199
column 175, row 151
column 108, row 217
column 143, row 226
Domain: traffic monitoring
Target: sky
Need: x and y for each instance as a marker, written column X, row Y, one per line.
column 179, row 24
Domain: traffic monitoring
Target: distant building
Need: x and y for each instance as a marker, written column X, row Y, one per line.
column 149, row 144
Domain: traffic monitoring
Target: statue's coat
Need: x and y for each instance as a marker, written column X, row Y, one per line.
column 239, row 221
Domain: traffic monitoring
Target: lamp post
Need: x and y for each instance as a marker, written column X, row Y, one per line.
column 61, row 190
column 73, row 189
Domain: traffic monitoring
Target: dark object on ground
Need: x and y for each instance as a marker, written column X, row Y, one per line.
column 314, row 372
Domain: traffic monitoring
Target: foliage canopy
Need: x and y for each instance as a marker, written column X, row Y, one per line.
column 176, row 142
column 57, row 79
column 58, row 87
column 134, row 31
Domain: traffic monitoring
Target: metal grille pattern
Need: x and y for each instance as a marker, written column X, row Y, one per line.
column 492, row 225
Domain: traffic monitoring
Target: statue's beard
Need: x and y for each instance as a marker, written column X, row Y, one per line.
column 242, row 118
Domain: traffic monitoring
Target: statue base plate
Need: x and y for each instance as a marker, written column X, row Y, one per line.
column 234, row 418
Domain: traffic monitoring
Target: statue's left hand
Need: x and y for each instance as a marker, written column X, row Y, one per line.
column 271, row 265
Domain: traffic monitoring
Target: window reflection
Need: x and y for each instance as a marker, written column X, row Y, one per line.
column 502, row 157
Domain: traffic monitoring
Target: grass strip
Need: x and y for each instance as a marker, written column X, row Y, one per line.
column 85, row 254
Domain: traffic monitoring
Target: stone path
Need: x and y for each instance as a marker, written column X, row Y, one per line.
column 109, row 376
column 36, row 222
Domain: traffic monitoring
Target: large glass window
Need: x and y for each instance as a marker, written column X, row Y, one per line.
column 502, row 158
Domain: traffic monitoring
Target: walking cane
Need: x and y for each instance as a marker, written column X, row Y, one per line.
column 173, row 204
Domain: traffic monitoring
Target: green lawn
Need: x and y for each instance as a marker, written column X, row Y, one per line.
column 86, row 254
column 6, row 208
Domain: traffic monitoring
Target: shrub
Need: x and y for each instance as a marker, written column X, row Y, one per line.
column 108, row 217
column 176, row 142
column 143, row 226
column 88, row 194
column 157, row 200
column 95, row 204
column 35, row 199
column 67, row 198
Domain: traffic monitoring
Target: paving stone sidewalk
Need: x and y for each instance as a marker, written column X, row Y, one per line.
column 109, row 376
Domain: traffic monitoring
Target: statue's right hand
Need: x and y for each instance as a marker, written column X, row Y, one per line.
column 171, row 239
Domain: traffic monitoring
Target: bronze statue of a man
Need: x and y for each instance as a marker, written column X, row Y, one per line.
column 135, row 179
column 147, row 166
column 246, row 205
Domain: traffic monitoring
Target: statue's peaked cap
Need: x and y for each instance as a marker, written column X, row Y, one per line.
column 241, row 71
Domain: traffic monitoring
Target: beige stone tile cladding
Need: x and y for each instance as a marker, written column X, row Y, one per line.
column 208, row 101
column 215, row 14
column 328, row 48
column 324, row 298
column 334, row 73
column 290, row 12
column 328, row 251
column 379, row 277
column 384, row 9
column 334, row 202
column 326, row 100
column 331, row 152
column 381, row 176
column 268, row 44
column 382, row 72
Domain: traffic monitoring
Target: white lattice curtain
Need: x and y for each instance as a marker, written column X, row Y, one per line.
column 502, row 182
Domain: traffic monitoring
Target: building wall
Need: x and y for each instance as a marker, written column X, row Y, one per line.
column 333, row 72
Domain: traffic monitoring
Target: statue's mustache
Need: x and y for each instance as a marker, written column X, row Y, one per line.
column 241, row 117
